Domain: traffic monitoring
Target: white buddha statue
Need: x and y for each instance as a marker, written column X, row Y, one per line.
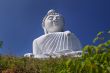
column 55, row 41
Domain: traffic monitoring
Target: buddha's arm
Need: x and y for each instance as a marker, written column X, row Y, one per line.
column 76, row 45
column 36, row 49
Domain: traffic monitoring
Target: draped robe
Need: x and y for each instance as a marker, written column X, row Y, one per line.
column 56, row 43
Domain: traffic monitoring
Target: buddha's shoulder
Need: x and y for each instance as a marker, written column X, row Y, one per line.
column 50, row 35
column 41, row 38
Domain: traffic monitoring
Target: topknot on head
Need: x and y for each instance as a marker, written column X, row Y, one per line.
column 52, row 12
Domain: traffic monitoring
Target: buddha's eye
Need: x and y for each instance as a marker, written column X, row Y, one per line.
column 58, row 17
column 50, row 18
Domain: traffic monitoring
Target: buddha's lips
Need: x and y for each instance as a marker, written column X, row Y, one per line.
column 55, row 24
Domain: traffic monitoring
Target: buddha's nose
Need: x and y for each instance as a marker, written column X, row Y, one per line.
column 54, row 19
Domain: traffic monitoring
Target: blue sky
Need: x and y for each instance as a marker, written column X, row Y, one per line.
column 20, row 21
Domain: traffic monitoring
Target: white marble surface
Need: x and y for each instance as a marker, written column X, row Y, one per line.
column 56, row 43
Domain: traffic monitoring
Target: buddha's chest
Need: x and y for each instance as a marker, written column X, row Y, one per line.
column 57, row 42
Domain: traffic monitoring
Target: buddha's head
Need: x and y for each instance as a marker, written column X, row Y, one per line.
column 53, row 22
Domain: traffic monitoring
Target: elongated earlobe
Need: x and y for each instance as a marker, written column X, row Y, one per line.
column 45, row 30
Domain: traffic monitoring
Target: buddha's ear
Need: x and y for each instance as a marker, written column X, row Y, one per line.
column 45, row 30
column 43, row 26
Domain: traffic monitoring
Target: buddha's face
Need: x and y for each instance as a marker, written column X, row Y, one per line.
column 54, row 23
